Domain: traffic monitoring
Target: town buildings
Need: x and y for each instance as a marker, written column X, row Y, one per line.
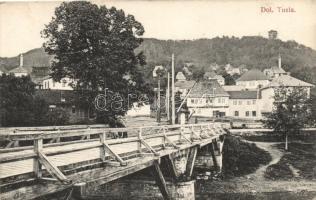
column 251, row 98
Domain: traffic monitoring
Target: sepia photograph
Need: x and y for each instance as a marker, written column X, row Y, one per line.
column 158, row 100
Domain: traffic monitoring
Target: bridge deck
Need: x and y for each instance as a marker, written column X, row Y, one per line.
column 86, row 160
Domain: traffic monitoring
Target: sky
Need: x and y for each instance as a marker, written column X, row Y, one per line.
column 22, row 22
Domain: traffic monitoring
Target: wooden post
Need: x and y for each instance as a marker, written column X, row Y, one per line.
column 102, row 150
column 213, row 155
column 37, row 167
column 190, row 162
column 173, row 105
column 160, row 180
column 139, row 147
column 79, row 190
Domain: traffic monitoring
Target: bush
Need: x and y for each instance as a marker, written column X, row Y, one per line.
column 279, row 171
column 241, row 158
column 57, row 116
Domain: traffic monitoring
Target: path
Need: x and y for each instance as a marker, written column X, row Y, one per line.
column 256, row 182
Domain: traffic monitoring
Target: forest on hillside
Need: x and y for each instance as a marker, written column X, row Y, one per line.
column 249, row 51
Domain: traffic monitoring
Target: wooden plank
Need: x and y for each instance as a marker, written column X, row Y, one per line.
column 172, row 167
column 37, row 166
column 191, row 161
column 108, row 149
column 213, row 155
column 160, row 181
column 51, row 168
column 149, row 147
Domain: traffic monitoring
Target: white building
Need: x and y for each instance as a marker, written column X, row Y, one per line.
column 253, row 79
column 275, row 71
column 20, row 70
column 64, row 84
column 267, row 93
column 208, row 99
column 212, row 76
column 244, row 104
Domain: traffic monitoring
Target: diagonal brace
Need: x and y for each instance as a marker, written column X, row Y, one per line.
column 107, row 148
column 149, row 147
column 51, row 168
column 170, row 142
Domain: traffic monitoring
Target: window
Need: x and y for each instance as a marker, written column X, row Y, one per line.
column 192, row 101
column 248, row 102
column 239, row 102
column 254, row 101
column 254, row 113
column 206, row 101
column 236, row 113
column 234, row 102
column 247, row 113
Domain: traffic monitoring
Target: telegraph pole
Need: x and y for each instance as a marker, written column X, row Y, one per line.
column 158, row 104
column 168, row 97
column 173, row 118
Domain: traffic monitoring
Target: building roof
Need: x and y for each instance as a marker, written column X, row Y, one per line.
column 233, row 87
column 286, row 80
column 278, row 70
column 3, row 69
column 183, row 84
column 55, row 97
column 19, row 69
column 253, row 75
column 207, row 87
column 180, row 76
column 244, row 94
column 209, row 74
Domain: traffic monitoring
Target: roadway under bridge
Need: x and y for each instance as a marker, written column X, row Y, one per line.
column 38, row 162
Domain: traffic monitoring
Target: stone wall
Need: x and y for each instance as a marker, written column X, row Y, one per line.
column 142, row 189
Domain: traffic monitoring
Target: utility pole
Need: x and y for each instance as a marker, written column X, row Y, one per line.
column 168, row 97
column 158, row 103
column 173, row 118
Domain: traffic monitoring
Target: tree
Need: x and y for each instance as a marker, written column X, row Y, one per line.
column 95, row 46
column 291, row 112
column 18, row 105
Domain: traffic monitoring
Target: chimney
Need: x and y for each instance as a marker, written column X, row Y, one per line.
column 279, row 61
column 21, row 60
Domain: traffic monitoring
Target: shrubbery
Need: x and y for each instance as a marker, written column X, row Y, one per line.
column 241, row 158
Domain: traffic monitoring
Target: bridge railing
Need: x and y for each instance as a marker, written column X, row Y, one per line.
column 99, row 146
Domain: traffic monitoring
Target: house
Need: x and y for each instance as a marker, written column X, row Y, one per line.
column 64, row 99
column 212, row 76
column 180, row 76
column 275, row 71
column 207, row 98
column 3, row 70
column 253, row 79
column 183, row 87
column 64, row 84
column 267, row 93
column 20, row 70
column 244, row 104
column 232, row 70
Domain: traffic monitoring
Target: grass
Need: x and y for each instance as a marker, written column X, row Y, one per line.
column 279, row 171
column 301, row 156
column 241, row 158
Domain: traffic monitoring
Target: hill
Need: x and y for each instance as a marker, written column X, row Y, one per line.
column 251, row 51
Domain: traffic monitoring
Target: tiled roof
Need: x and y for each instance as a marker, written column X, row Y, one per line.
column 244, row 94
column 278, row 70
column 207, row 87
column 19, row 69
column 180, row 76
column 184, row 84
column 233, row 87
column 253, row 75
column 209, row 74
column 286, row 80
column 55, row 97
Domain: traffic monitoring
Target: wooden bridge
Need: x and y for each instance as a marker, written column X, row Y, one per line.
column 35, row 162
